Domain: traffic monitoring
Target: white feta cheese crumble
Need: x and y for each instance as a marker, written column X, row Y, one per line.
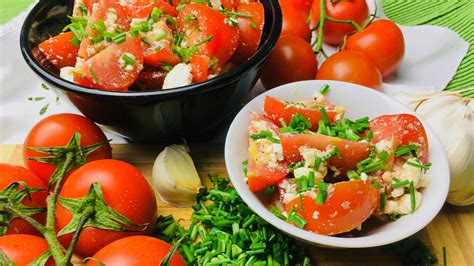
column 384, row 145
column 402, row 205
column 110, row 20
column 179, row 76
column 67, row 73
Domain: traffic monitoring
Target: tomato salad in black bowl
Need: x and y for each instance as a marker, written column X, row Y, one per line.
column 185, row 65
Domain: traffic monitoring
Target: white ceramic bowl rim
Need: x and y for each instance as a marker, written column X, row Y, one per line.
column 340, row 93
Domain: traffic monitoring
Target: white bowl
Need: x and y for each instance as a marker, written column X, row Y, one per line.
column 359, row 101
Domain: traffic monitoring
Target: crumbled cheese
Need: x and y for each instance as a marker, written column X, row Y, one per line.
column 410, row 173
column 363, row 176
column 179, row 76
column 397, row 192
column 216, row 4
column 384, row 145
column 315, row 215
column 110, row 20
column 287, row 190
column 67, row 73
column 402, row 205
column 124, row 65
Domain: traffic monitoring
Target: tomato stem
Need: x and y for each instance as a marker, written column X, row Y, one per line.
column 25, row 217
column 88, row 212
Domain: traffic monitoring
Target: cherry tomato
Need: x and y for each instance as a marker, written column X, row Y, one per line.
column 143, row 8
column 402, row 129
column 57, row 130
column 351, row 66
column 23, row 249
column 199, row 22
column 351, row 152
column 356, row 10
column 125, row 190
column 136, row 250
column 348, row 204
column 275, row 109
column 159, row 51
column 303, row 6
column 382, row 41
column 292, row 59
column 264, row 169
column 294, row 23
column 250, row 31
column 199, row 67
column 59, row 50
column 10, row 173
column 108, row 70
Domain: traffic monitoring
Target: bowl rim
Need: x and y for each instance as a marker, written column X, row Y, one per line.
column 333, row 241
column 215, row 83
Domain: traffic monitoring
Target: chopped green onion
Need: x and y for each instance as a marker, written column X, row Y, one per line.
column 181, row 6
column 419, row 165
column 376, row 184
column 161, row 36
column 165, row 66
column 278, row 213
column 311, row 179
column 265, row 135
column 83, row 8
column 75, row 41
column 145, row 41
column 170, row 20
column 295, row 218
column 237, row 14
column 383, row 155
column 352, row 175
column 412, row 196
column 405, row 150
column 94, row 77
column 369, row 135
column 324, row 115
column 317, row 163
column 119, row 38
column 322, row 193
column 128, row 60
column 301, row 203
column 400, row 184
column 268, row 190
column 98, row 39
column 253, row 25
column 395, row 216
column 334, row 152
column 324, row 89
column 156, row 13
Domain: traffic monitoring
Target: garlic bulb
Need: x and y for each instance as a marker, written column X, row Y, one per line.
column 451, row 118
column 175, row 177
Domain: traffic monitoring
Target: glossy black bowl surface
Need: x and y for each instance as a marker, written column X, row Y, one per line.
column 194, row 112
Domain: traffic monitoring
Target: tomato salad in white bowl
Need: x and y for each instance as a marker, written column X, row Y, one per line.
column 336, row 164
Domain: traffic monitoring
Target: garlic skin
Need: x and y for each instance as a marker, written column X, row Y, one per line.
column 175, row 177
column 451, row 118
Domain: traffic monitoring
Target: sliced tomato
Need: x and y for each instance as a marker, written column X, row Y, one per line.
column 159, row 51
column 143, row 8
column 59, row 50
column 250, row 30
column 402, row 129
column 230, row 5
column 348, row 204
column 199, row 22
column 199, row 67
column 275, row 109
column 106, row 69
column 89, row 4
column 262, row 171
column 351, row 152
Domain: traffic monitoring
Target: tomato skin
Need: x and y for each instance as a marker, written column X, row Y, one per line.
column 208, row 22
column 143, row 8
column 294, row 23
column 136, row 250
column 356, row 10
column 275, row 109
column 301, row 5
column 259, row 173
column 59, row 50
column 292, row 59
column 249, row 37
column 351, row 152
column 22, row 249
column 402, row 129
column 199, row 68
column 351, row 66
column 57, row 130
column 345, row 208
column 10, row 173
column 382, row 41
column 125, row 190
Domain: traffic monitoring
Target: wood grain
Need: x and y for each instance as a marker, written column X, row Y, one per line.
column 453, row 228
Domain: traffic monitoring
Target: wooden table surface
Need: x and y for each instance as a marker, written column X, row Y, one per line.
column 453, row 228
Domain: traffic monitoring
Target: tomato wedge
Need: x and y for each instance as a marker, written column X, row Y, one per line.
column 402, row 129
column 250, row 30
column 264, row 168
column 59, row 50
column 347, row 206
column 158, row 50
column 143, row 8
column 275, row 109
column 199, row 23
column 108, row 70
column 199, row 67
column 351, row 152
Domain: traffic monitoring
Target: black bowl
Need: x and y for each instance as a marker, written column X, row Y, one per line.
column 194, row 112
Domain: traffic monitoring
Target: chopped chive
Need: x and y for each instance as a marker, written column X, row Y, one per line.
column 268, row 190
column 311, row 179
column 324, row 89
column 405, row 150
column 83, row 8
column 180, row 6
column 395, row 216
column 97, row 39
column 208, row 39
column 237, row 14
column 412, row 196
column 331, row 154
column 278, row 213
column 423, row 167
column 265, row 135
column 324, row 115
column 322, row 193
column 128, row 60
column 376, row 184
column 295, row 218
column 253, row 25
column 161, row 36
column 145, row 41
column 352, row 175
column 383, row 201
column 44, row 109
column 317, row 163
column 119, row 38
column 383, row 155
column 170, row 20
column 156, row 13
column 301, row 203
column 75, row 41
column 400, row 184
column 369, row 135
column 94, row 77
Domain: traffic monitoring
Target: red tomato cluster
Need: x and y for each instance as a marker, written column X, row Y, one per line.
column 369, row 53
column 124, row 188
column 117, row 46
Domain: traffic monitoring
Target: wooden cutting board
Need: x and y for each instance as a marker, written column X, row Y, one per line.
column 453, row 228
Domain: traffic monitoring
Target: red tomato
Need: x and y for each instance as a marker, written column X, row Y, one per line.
column 23, row 249
column 136, row 250
column 107, row 70
column 351, row 66
column 151, row 79
column 356, row 10
column 294, row 22
column 262, row 173
column 10, row 173
column 59, row 50
column 402, row 129
column 57, row 130
column 292, row 59
column 199, row 68
column 250, row 31
column 143, row 8
column 125, row 190
column 382, row 41
column 347, row 206
column 275, row 109
column 159, row 51
column 198, row 22
column 351, row 152
column 301, row 5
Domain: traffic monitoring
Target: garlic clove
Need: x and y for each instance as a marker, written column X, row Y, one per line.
column 175, row 177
